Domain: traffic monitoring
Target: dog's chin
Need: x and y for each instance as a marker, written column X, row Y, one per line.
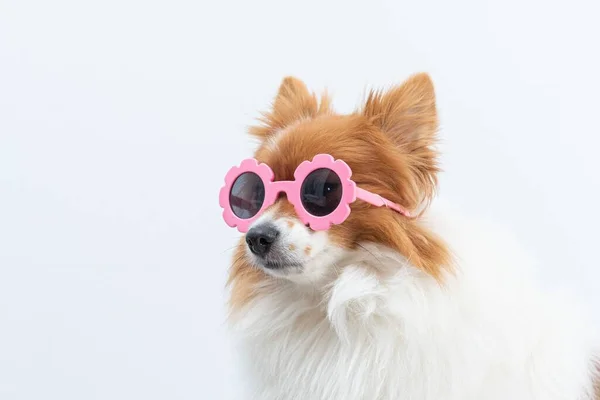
column 313, row 269
column 288, row 268
column 281, row 269
column 306, row 272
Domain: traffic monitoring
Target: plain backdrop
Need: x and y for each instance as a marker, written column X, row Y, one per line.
column 119, row 119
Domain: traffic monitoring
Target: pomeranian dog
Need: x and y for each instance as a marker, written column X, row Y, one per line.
column 350, row 284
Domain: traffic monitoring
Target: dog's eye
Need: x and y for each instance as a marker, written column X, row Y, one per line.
column 330, row 187
column 320, row 188
column 321, row 192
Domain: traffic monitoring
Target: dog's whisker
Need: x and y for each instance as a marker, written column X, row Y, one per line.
column 228, row 249
column 371, row 253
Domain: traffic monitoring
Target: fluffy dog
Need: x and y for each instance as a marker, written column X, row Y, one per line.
column 384, row 306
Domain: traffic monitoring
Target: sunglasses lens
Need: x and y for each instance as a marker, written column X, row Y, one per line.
column 247, row 195
column 321, row 192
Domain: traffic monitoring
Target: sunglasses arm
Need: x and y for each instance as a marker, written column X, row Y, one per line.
column 379, row 201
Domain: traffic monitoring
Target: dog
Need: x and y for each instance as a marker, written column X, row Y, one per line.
column 395, row 297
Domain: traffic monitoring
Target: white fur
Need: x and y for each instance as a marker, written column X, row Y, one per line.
column 312, row 250
column 376, row 328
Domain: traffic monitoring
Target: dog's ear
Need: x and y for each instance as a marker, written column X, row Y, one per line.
column 407, row 115
column 293, row 103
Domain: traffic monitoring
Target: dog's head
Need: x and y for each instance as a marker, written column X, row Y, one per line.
column 388, row 143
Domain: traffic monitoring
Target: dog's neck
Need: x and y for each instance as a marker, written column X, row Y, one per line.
column 354, row 296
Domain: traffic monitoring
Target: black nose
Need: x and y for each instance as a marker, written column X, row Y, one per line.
column 260, row 238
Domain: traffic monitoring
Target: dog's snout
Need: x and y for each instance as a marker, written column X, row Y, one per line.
column 261, row 238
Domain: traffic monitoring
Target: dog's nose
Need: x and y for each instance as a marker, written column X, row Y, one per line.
column 260, row 238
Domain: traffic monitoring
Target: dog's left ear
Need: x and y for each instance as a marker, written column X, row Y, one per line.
column 407, row 115
column 293, row 103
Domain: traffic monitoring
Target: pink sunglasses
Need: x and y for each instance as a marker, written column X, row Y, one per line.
column 321, row 193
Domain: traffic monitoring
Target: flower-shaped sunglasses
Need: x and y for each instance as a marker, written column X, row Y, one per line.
column 321, row 193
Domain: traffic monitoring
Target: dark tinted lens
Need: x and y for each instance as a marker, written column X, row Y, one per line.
column 321, row 192
column 247, row 195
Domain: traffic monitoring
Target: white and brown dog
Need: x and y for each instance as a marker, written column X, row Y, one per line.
column 385, row 307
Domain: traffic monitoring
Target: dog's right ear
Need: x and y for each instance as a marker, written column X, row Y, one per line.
column 293, row 103
column 407, row 115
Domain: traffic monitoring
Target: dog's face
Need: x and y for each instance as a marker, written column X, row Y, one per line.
column 388, row 145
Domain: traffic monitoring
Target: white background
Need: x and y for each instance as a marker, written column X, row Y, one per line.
column 118, row 120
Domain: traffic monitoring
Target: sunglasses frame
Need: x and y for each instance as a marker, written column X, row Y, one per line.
column 350, row 193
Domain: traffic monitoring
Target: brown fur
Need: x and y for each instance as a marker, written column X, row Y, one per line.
column 407, row 114
column 243, row 279
column 293, row 103
column 389, row 146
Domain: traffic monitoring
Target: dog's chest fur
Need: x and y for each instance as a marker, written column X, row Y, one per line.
column 403, row 336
